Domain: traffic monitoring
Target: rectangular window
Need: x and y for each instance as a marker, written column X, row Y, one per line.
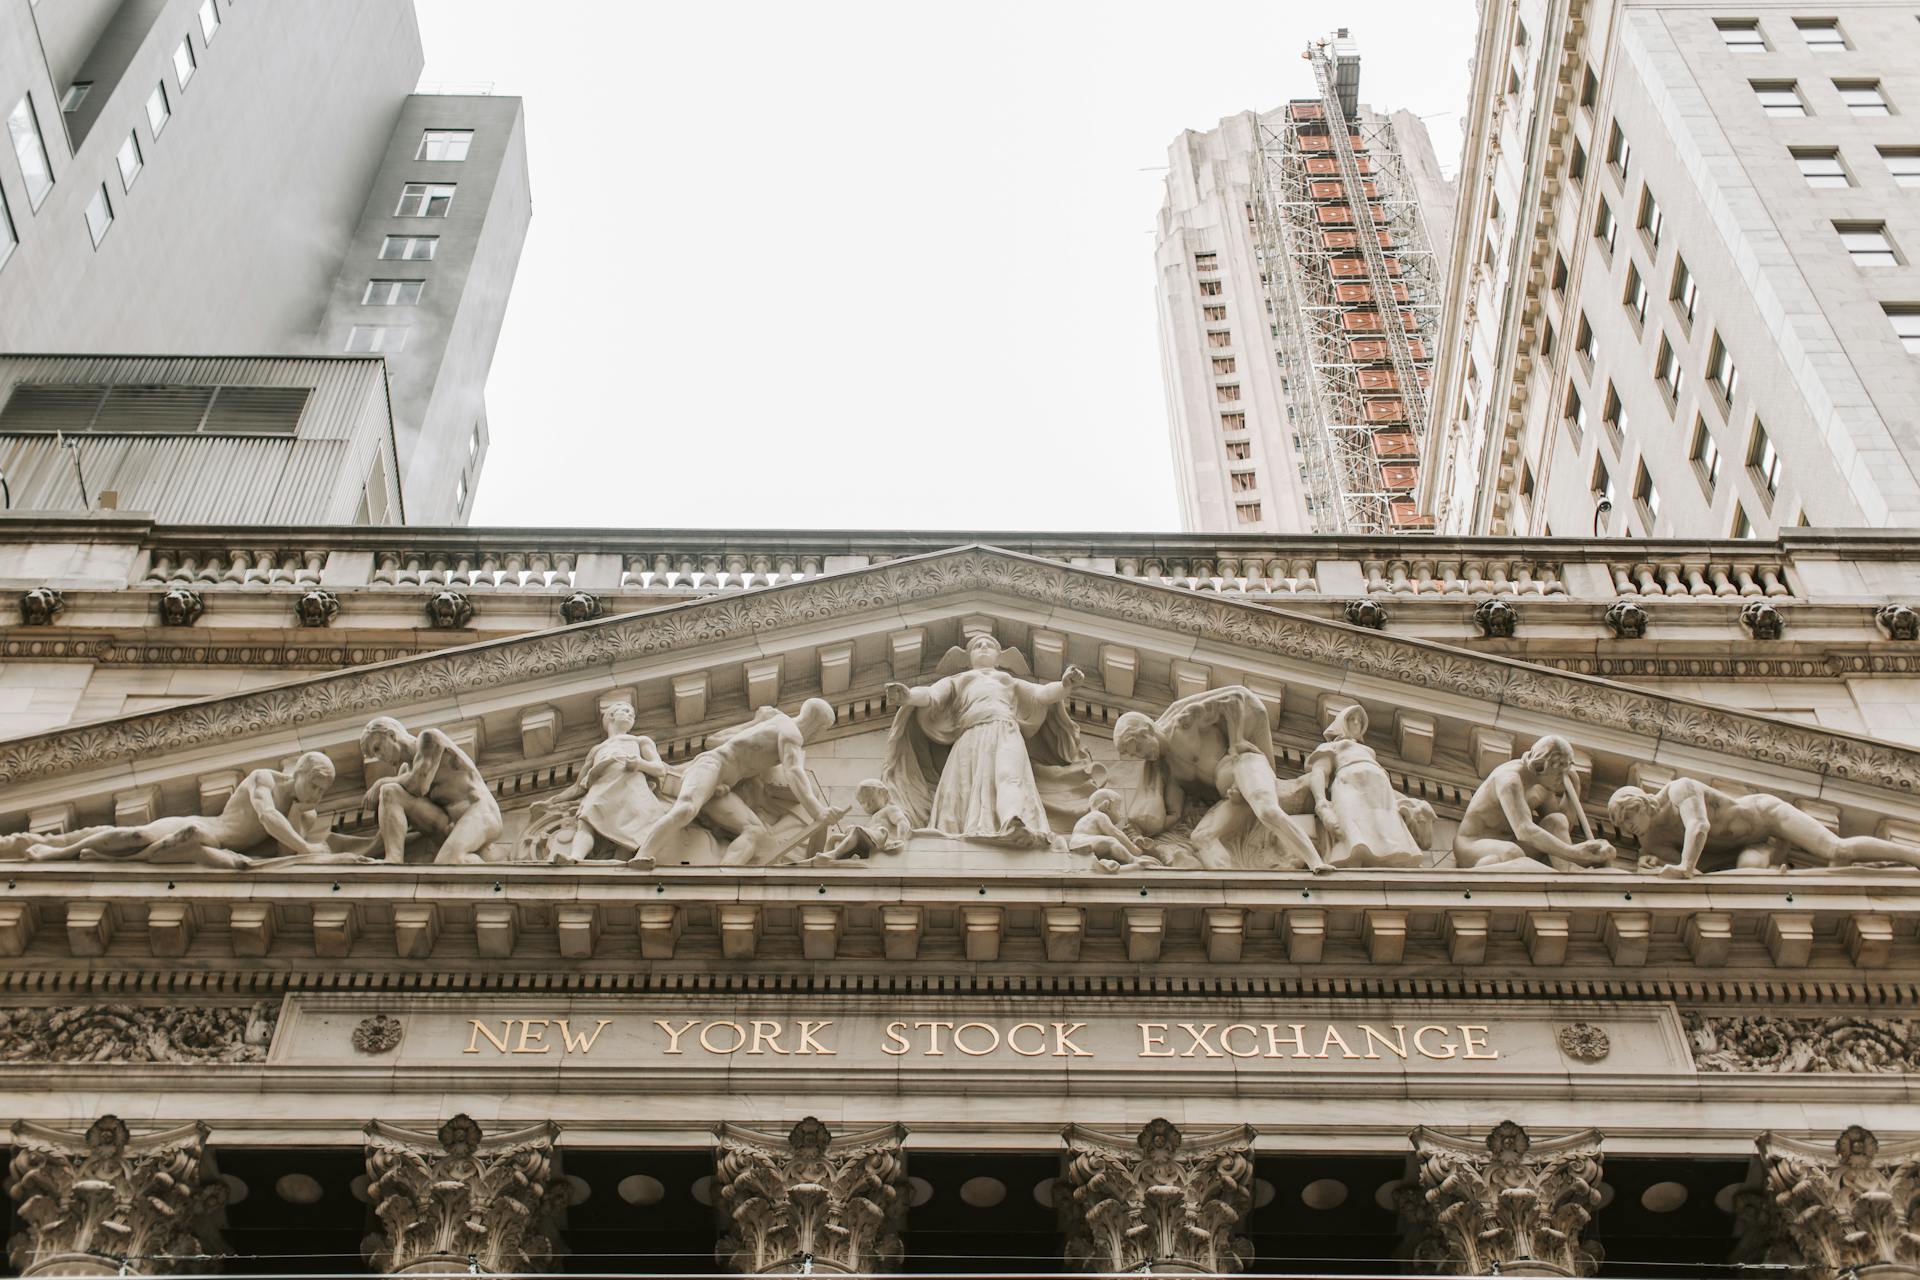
column 1667, row 371
column 1227, row 394
column 1906, row 325
column 1864, row 97
column 75, row 95
column 1575, row 410
column 425, row 200
column 1619, row 151
column 409, row 248
column 1635, row 296
column 1722, row 373
column 1605, row 229
column 1583, row 339
column 1646, row 495
column 23, row 122
column 377, row 337
column 1685, row 293
column 1822, row 35
column 1247, row 512
column 1705, row 455
column 1206, row 263
column 1219, row 337
column 1245, row 481
column 183, row 62
column 209, row 20
column 1779, row 97
column 8, row 236
column 1239, row 450
column 1652, row 221
column 130, row 160
column 1233, row 422
column 1867, row 244
column 444, row 144
column 1216, row 313
column 158, row 111
column 1821, row 167
column 1614, row 414
column 1763, row 461
column 1903, row 163
column 1209, row 288
column 1589, row 88
column 1743, row 527
column 1742, row 35
column 99, row 215
column 1602, row 482
column 1559, row 273
column 460, row 493
column 392, row 293
column 1223, row 364
column 1577, row 165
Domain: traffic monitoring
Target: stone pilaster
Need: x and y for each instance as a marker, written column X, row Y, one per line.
column 1504, row 1204
column 456, row 1198
column 104, row 1203
column 1853, row 1206
column 809, row 1200
column 1157, row 1202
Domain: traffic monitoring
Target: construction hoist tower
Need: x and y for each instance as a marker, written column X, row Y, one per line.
column 1353, row 291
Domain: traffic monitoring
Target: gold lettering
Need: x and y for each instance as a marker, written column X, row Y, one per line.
column 673, row 1035
column 584, row 1042
column 738, row 1030
column 808, row 1044
column 1152, row 1042
column 1398, row 1046
column 935, row 1051
column 1063, row 1045
column 528, row 1036
column 975, row 1053
column 1420, row 1043
column 1298, row 1038
column 479, row 1029
column 1466, row 1034
column 1014, row 1045
column 894, row 1037
column 1226, row 1041
column 772, row 1038
column 1200, row 1040
column 1333, row 1036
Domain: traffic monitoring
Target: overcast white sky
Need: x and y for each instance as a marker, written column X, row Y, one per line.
column 867, row 265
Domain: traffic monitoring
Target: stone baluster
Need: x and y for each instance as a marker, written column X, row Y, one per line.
column 104, row 1203
column 1773, row 581
column 1852, row 1208
column 812, row 566
column 1157, row 1203
column 312, row 564
column 1504, row 1205
column 1622, row 584
column 810, row 1201
column 456, row 1199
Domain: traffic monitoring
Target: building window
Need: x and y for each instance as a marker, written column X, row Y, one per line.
column 75, row 95
column 425, row 200
column 1705, row 455
column 1685, row 293
column 1589, row 88
column 1646, row 495
column 1245, row 481
column 1667, row 371
column 1903, row 163
column 23, row 122
column 8, row 236
column 1559, row 273
column 1619, row 151
column 1906, row 325
column 1602, row 483
column 1583, row 339
column 1652, row 221
column 1247, row 512
column 1763, row 461
column 1577, row 166
column 1722, row 374
column 158, row 112
column 1614, row 414
column 1822, row 35
column 1216, row 313
column 1206, row 263
column 1209, row 288
column 1742, row 35
column 99, row 215
column 1239, row 450
column 1821, row 167
column 209, row 20
column 392, row 293
column 183, row 62
column 130, row 160
column 1228, row 394
column 444, row 144
column 1233, row 422
column 1867, row 244
column 1576, row 415
column 377, row 337
column 1223, row 364
column 1219, row 337
column 1635, row 296
column 1779, row 97
column 409, row 248
column 1605, row 229
column 460, row 493
column 1864, row 97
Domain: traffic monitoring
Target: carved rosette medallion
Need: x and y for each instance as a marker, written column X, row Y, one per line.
column 377, row 1033
column 104, row 1202
column 1157, row 1202
column 1851, row 1207
column 810, row 1201
column 1584, row 1041
column 1506, row 1205
column 444, row 1198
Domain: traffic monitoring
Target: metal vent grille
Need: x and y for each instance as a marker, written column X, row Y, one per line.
column 157, row 410
column 36, row 409
column 161, row 409
column 256, row 411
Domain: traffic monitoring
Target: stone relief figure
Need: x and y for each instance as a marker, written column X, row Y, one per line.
column 1687, row 822
column 1216, row 749
column 612, row 803
column 1101, row 835
column 438, row 792
column 984, row 754
column 1522, row 816
column 752, row 770
column 884, row 830
column 269, row 808
column 1367, row 822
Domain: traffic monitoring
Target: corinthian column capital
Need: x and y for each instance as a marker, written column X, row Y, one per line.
column 454, row 1196
column 92, row 1203
column 1850, row 1206
column 1157, row 1201
column 840, row 1202
column 1505, row 1204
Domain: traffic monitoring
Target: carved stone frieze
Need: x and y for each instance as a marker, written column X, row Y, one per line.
column 317, row 608
column 181, row 607
column 137, row 1033
column 1848, row 1207
column 1898, row 622
column 106, row 1203
column 1626, row 620
column 1504, row 1205
column 1155, row 1202
column 456, row 1195
column 40, row 606
column 810, row 1201
column 1764, row 1042
column 377, row 1033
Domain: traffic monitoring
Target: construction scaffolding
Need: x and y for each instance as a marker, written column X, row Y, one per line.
column 1353, row 291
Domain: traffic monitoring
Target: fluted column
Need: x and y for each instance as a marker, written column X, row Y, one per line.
column 808, row 1200
column 104, row 1203
column 1504, row 1204
column 1158, row 1202
column 1849, row 1207
column 455, row 1198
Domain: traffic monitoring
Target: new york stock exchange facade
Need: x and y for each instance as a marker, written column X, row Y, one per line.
column 408, row 901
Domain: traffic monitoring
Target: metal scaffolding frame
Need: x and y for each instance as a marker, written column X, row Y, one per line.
column 1352, row 286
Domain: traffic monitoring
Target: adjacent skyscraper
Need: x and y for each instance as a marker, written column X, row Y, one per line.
column 1681, row 300
column 1297, row 294
column 201, row 177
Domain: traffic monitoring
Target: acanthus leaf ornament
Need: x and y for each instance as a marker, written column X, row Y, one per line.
column 840, row 1203
column 1776, row 1044
column 1505, row 1205
column 1849, row 1206
column 137, row 1033
column 447, row 1197
column 1157, row 1201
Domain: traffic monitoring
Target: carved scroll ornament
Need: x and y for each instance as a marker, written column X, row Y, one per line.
column 133, row 1033
column 1507, row 1205
column 1157, row 1202
column 1843, row 1044
column 825, row 1203
column 444, row 1198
